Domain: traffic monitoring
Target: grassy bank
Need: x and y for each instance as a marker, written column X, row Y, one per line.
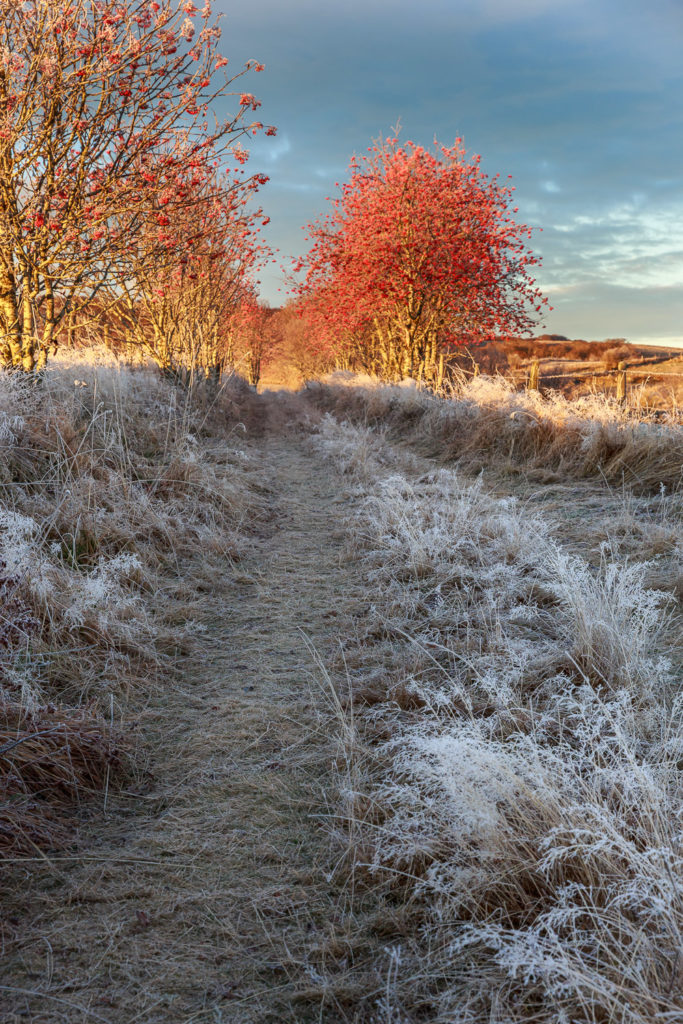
column 118, row 495
column 485, row 420
column 512, row 789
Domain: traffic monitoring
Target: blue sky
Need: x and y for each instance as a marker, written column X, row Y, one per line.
column 581, row 101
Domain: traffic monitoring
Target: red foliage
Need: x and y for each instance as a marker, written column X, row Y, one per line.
column 420, row 249
column 256, row 334
column 181, row 277
column 104, row 105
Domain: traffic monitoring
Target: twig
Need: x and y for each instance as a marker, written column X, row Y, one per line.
column 29, row 736
column 56, row 999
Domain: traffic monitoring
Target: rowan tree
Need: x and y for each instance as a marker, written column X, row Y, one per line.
column 298, row 347
column 255, row 334
column 420, row 251
column 92, row 94
column 179, row 280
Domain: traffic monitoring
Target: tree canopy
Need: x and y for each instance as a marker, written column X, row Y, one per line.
column 108, row 146
column 420, row 251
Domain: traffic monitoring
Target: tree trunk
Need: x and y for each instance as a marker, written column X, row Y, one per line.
column 431, row 356
column 48, row 341
column 9, row 317
column 408, row 353
column 254, row 369
column 28, row 343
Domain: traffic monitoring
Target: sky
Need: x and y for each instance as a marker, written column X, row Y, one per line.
column 581, row 101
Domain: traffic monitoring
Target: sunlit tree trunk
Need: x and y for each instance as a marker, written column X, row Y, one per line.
column 9, row 315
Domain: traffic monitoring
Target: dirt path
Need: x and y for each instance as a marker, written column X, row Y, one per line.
column 205, row 899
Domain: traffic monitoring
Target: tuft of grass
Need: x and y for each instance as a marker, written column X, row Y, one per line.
column 485, row 418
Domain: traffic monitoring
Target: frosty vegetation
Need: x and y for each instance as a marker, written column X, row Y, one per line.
column 486, row 418
column 511, row 741
column 518, row 757
column 109, row 476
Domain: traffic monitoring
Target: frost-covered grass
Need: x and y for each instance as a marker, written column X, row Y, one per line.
column 485, row 417
column 521, row 713
column 111, row 483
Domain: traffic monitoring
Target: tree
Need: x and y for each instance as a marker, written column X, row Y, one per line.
column 180, row 279
column 99, row 101
column 298, row 348
column 255, row 334
column 419, row 252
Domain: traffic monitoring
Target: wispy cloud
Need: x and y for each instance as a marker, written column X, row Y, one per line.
column 630, row 244
column 578, row 99
column 277, row 148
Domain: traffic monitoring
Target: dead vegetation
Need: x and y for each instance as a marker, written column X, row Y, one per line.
column 486, row 420
column 514, row 789
column 508, row 354
column 110, row 478
column 577, row 369
column 209, row 890
column 433, row 776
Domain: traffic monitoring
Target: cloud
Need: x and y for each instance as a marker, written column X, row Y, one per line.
column 595, row 310
column 581, row 104
column 629, row 244
column 275, row 150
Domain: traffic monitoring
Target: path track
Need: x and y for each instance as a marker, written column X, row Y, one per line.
column 201, row 900
column 208, row 895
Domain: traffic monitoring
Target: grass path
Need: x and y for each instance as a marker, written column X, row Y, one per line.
column 204, row 899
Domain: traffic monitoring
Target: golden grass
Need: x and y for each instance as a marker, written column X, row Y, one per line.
column 485, row 419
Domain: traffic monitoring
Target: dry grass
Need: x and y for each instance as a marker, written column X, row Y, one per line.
column 492, row 835
column 584, row 366
column 518, row 794
column 110, row 478
column 485, row 419
column 209, row 891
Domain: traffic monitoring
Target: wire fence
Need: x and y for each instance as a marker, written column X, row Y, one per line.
column 609, row 380
column 535, row 378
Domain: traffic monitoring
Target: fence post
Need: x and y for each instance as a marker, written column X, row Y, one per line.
column 621, row 383
column 532, row 384
column 439, row 378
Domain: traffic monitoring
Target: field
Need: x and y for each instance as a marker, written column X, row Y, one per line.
column 351, row 704
column 577, row 367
